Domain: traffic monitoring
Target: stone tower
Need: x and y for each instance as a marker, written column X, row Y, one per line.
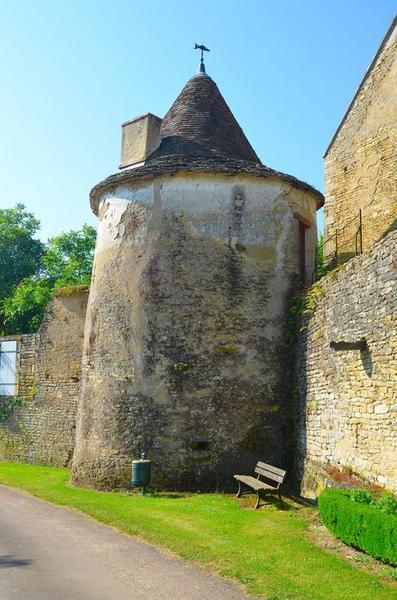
column 199, row 247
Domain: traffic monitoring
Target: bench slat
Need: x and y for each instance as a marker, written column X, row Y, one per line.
column 267, row 467
column 269, row 474
column 255, row 484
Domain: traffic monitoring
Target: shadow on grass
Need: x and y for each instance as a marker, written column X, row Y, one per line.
column 289, row 503
column 276, row 504
column 304, row 502
column 170, row 495
column 248, row 500
column 154, row 494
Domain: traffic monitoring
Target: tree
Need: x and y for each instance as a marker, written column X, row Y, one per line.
column 69, row 256
column 24, row 309
column 20, row 251
column 66, row 261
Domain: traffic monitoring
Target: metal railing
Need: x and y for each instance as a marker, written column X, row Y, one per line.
column 344, row 244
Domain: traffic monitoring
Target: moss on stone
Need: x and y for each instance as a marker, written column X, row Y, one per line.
column 70, row 290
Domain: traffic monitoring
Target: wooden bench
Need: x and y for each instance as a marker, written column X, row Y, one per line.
column 268, row 472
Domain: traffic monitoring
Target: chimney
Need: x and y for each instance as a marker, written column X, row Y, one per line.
column 140, row 137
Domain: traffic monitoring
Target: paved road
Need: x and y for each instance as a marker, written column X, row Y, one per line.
column 51, row 553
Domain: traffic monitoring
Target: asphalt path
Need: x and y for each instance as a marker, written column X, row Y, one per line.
column 52, row 553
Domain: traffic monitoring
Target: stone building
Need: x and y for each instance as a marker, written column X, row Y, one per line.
column 361, row 160
column 348, row 397
column 199, row 248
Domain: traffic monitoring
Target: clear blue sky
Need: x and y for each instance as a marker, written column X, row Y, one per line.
column 73, row 70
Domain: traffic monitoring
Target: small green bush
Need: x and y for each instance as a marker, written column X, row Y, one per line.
column 365, row 526
column 387, row 503
column 362, row 496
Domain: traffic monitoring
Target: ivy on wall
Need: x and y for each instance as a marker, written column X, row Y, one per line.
column 7, row 406
column 304, row 304
column 302, row 307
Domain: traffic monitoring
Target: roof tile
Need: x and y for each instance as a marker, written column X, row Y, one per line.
column 200, row 123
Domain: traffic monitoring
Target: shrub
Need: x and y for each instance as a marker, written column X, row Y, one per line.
column 387, row 503
column 362, row 496
column 364, row 526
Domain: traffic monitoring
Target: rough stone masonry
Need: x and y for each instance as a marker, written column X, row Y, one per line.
column 348, row 399
column 361, row 161
column 184, row 344
column 41, row 429
column 197, row 253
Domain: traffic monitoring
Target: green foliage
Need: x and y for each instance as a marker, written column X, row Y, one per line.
column 304, row 304
column 24, row 309
column 70, row 290
column 180, row 366
column 312, row 298
column 387, row 503
column 69, row 256
column 67, row 261
column 320, row 269
column 20, row 251
column 362, row 525
column 361, row 495
column 268, row 551
column 7, row 406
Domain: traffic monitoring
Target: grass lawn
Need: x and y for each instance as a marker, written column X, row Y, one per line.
column 268, row 551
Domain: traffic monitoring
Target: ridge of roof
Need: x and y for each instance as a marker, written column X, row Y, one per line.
column 364, row 79
column 172, row 165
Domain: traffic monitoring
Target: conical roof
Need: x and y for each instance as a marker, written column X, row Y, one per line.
column 199, row 134
column 200, row 124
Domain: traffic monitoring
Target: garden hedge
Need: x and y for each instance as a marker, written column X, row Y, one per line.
column 360, row 525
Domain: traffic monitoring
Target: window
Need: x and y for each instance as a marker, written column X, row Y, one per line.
column 306, row 248
column 8, row 368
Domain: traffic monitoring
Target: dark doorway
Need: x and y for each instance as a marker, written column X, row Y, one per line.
column 302, row 250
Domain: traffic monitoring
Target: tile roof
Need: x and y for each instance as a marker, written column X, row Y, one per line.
column 200, row 123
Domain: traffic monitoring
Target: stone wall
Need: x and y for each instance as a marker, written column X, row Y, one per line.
column 184, row 342
column 361, row 163
column 348, row 399
column 42, row 428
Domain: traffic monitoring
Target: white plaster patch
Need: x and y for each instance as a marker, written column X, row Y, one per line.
column 112, row 210
column 141, row 193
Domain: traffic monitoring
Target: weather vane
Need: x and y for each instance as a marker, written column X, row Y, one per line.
column 203, row 49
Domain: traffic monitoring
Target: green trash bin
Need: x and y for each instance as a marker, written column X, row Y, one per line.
column 140, row 472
